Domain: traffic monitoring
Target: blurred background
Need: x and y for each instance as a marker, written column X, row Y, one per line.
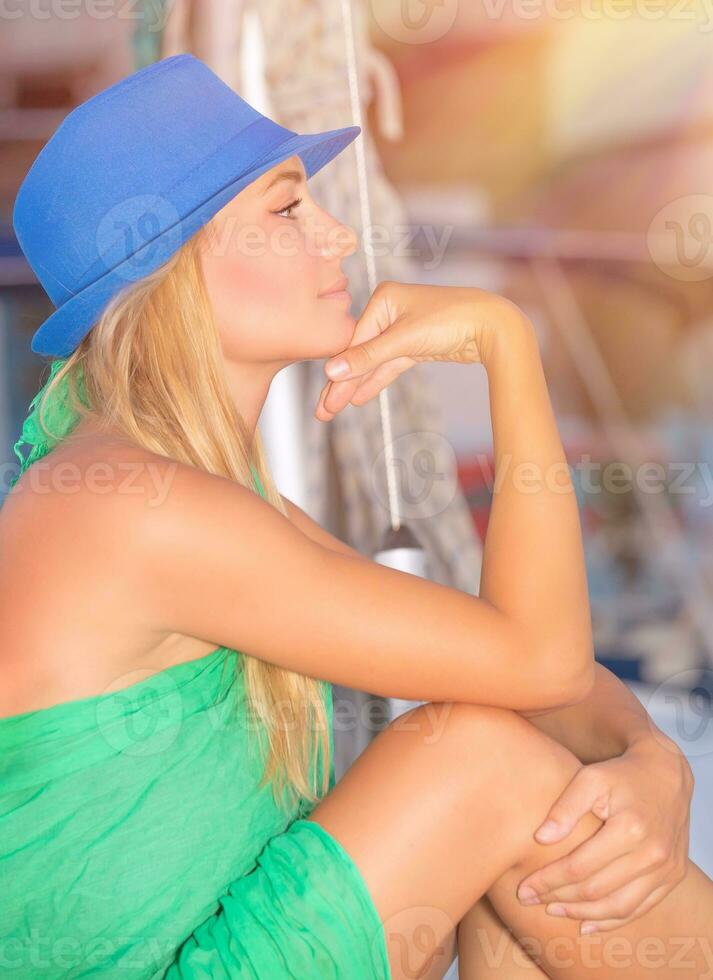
column 561, row 154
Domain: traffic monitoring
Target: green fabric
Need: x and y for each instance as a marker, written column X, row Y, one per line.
column 59, row 419
column 135, row 842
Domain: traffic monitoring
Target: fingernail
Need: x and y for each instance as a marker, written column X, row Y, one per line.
column 587, row 927
column 527, row 895
column 337, row 369
column 548, row 829
column 556, row 910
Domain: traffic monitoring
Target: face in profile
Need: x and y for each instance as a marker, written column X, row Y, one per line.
column 272, row 252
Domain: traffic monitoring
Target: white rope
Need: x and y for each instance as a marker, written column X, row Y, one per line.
column 365, row 209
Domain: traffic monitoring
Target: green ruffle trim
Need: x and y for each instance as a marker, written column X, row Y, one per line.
column 58, row 415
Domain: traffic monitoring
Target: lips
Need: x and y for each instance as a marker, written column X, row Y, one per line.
column 337, row 287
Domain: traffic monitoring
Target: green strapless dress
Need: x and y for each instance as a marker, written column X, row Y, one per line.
column 134, row 841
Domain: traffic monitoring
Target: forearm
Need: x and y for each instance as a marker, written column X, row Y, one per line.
column 603, row 725
column 533, row 565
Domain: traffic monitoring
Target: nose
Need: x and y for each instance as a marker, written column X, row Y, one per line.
column 340, row 240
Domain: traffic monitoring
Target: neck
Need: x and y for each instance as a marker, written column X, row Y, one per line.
column 249, row 385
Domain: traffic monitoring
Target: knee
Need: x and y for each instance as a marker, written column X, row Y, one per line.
column 494, row 747
column 456, row 718
column 475, row 726
column 452, row 726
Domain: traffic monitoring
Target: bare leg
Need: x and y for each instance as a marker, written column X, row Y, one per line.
column 675, row 938
column 441, row 808
column 486, row 948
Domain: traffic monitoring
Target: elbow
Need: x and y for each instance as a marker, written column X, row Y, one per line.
column 569, row 680
column 581, row 685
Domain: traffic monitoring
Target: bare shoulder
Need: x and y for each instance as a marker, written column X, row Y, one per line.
column 101, row 478
column 73, row 524
column 71, row 580
column 85, row 481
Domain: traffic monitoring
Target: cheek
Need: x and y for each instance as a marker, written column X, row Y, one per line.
column 266, row 304
column 277, row 279
column 270, row 288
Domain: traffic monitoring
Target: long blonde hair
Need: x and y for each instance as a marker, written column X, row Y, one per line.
column 151, row 367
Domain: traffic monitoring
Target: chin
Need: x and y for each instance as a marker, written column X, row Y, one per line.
column 327, row 337
column 342, row 333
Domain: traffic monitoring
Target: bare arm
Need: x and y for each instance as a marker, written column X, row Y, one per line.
column 605, row 724
column 316, row 532
column 220, row 563
column 533, row 566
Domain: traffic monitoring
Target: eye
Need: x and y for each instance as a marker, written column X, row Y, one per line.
column 289, row 207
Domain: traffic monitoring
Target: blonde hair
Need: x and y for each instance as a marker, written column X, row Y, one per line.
column 151, row 367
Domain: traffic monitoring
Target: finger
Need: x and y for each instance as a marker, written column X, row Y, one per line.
column 619, row 905
column 610, row 925
column 320, row 411
column 642, row 860
column 320, row 401
column 610, row 842
column 335, row 396
column 383, row 376
column 359, row 358
column 585, row 793
column 341, row 392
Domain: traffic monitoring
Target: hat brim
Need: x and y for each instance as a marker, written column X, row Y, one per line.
column 63, row 330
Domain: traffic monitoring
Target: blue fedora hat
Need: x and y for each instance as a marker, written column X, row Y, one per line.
column 131, row 174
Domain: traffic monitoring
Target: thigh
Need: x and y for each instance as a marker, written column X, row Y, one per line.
column 437, row 808
column 487, row 948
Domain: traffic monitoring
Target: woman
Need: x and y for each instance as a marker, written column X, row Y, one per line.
column 167, row 805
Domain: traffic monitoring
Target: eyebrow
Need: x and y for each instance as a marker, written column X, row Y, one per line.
column 296, row 175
